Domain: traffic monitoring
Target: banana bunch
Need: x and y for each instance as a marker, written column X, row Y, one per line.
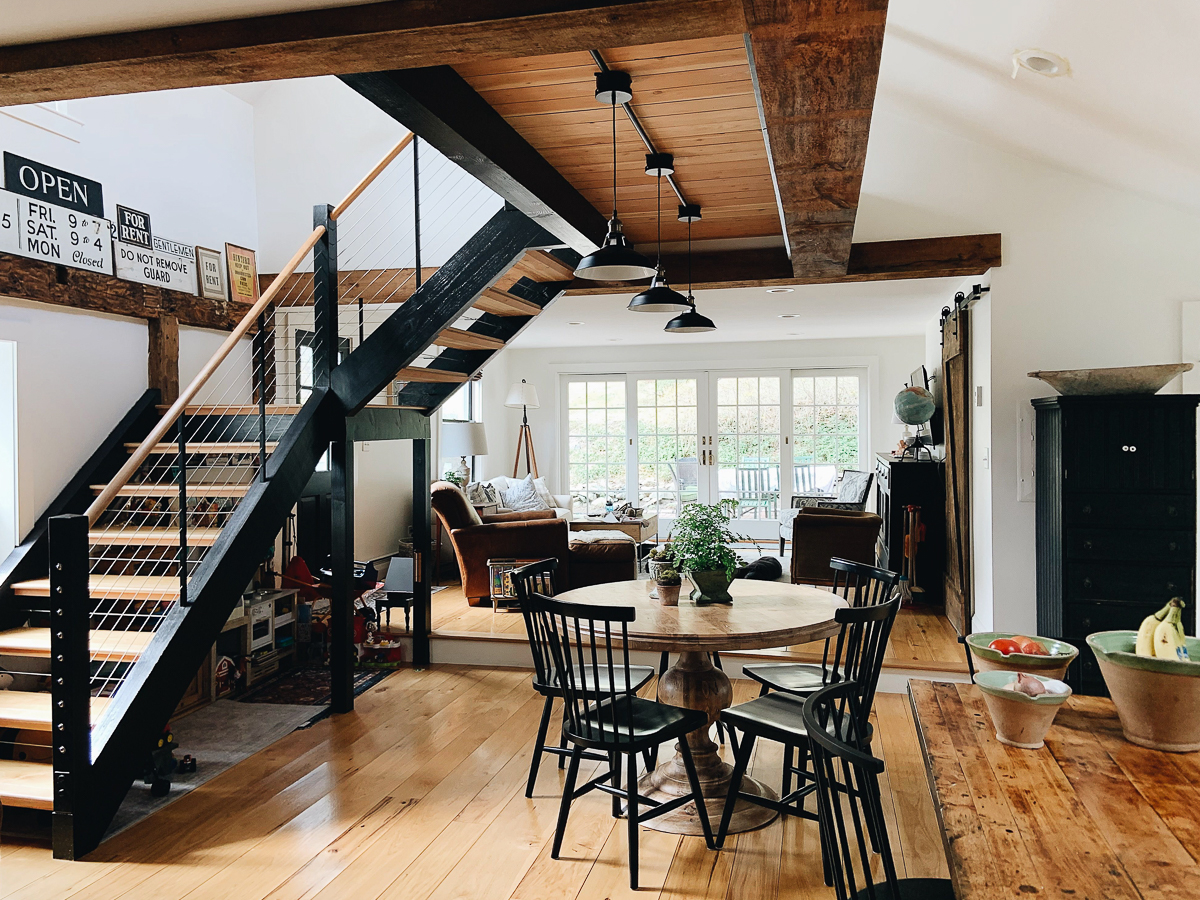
column 1161, row 634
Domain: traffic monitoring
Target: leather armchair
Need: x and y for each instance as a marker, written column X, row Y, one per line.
column 515, row 535
column 818, row 535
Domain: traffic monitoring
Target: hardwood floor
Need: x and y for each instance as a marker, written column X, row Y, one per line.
column 922, row 637
column 419, row 794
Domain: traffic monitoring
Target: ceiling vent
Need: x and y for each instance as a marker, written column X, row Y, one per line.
column 1040, row 62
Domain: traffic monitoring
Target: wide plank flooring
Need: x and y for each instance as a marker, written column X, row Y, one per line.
column 419, row 794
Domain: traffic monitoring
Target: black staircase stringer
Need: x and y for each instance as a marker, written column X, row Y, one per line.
column 155, row 683
column 29, row 559
column 436, row 305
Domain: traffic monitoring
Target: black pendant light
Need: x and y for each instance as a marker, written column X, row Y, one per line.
column 690, row 322
column 615, row 260
column 659, row 297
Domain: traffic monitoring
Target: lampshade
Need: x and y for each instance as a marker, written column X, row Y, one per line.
column 659, row 297
column 690, row 322
column 463, row 439
column 616, row 260
column 522, row 394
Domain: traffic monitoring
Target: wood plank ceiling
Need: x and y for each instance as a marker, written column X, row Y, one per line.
column 695, row 99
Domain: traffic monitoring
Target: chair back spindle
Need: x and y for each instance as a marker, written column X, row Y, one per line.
column 537, row 578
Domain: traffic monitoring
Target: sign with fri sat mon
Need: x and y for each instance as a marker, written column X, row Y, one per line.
column 243, row 274
column 52, row 233
column 167, row 264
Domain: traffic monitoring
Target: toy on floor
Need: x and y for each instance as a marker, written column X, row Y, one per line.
column 162, row 764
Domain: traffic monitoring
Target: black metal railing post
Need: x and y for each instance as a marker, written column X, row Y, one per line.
column 325, row 296
column 70, row 678
column 416, row 210
column 425, row 565
column 182, row 557
column 260, row 374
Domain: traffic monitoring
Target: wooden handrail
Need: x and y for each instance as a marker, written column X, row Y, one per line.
column 371, row 176
column 172, row 415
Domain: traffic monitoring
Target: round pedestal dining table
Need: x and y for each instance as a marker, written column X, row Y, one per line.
column 763, row 614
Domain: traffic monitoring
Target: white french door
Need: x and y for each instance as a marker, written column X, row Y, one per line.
column 661, row 440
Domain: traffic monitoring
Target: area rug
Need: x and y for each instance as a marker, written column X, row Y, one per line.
column 309, row 685
column 218, row 737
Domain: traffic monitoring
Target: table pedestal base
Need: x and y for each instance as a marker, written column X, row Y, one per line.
column 695, row 683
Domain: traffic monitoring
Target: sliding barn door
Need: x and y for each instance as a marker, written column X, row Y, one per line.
column 956, row 401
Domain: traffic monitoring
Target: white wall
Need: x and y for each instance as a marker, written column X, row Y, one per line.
column 890, row 359
column 981, row 462
column 8, row 446
column 1092, row 276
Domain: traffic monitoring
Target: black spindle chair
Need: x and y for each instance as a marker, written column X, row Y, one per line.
column 539, row 578
column 590, row 647
column 858, row 659
column 848, row 803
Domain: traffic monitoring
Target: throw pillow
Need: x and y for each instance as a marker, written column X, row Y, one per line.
column 480, row 493
column 523, row 497
column 854, row 487
column 539, row 485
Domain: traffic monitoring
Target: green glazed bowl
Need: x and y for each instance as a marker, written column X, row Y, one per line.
column 1117, row 647
column 1021, row 721
column 1059, row 656
column 996, row 684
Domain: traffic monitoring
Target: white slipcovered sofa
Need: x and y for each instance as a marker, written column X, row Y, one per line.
column 562, row 502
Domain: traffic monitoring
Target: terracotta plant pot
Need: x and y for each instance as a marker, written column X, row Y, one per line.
column 1059, row 656
column 668, row 594
column 712, row 586
column 1158, row 700
column 1020, row 720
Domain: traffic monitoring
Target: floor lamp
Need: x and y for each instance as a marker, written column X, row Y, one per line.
column 523, row 396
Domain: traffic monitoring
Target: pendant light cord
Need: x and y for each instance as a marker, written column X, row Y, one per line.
column 690, row 258
column 658, row 216
column 614, row 143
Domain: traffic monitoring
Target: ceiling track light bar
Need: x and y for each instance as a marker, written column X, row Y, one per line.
column 637, row 126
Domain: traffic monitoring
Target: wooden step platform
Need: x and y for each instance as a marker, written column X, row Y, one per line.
column 152, row 537
column 32, row 711
column 542, row 266
column 169, row 489
column 104, row 587
column 502, row 303
column 26, row 784
column 431, row 376
column 457, row 339
column 208, row 447
column 109, row 646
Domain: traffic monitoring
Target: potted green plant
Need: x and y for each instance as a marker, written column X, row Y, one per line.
column 700, row 542
column 454, row 478
column 668, row 582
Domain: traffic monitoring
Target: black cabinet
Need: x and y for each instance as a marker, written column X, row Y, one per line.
column 1116, row 516
column 903, row 483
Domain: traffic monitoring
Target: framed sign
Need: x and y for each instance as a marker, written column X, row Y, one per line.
column 243, row 274
column 54, row 234
column 208, row 270
column 133, row 227
column 39, row 181
column 166, row 263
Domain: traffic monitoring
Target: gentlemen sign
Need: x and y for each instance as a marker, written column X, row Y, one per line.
column 48, row 232
column 50, row 185
column 167, row 264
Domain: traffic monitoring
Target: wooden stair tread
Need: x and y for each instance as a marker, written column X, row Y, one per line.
column 502, row 303
column 111, row 646
column 170, row 489
column 208, row 447
column 26, row 784
column 32, row 710
column 126, row 587
column 457, row 339
column 152, row 537
column 539, row 265
column 431, row 376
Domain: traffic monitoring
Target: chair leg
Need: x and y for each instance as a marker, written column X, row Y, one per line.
column 562, row 738
column 741, row 761
column 650, row 756
column 664, row 662
column 781, row 547
column 614, row 768
column 631, row 814
column 789, row 757
column 694, row 781
column 564, row 808
column 539, row 745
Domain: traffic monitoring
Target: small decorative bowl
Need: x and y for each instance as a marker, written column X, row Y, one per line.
column 1158, row 700
column 1021, row 721
column 1059, row 656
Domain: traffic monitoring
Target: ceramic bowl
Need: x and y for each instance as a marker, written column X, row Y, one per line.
column 1020, row 720
column 1158, row 700
column 1059, row 656
column 1118, row 380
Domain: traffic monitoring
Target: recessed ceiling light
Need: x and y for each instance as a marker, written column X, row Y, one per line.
column 613, row 340
column 575, row 323
column 1040, row 62
column 789, row 315
column 780, row 290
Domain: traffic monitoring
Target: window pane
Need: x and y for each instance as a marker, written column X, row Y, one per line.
column 597, row 442
column 825, row 421
column 670, row 461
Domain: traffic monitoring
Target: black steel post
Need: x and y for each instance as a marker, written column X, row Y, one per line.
column 181, row 431
column 341, row 533
column 416, row 210
column 70, row 677
column 426, row 565
column 260, row 373
column 325, row 296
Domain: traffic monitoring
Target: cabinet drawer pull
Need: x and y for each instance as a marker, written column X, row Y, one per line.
column 1171, row 510
column 1172, row 546
column 1087, row 582
column 1087, row 545
column 1170, row 585
column 1087, row 510
column 1087, row 624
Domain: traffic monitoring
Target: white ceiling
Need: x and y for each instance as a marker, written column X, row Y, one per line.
column 869, row 309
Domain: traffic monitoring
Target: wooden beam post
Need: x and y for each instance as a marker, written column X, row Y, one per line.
column 426, row 565
column 162, row 363
column 341, row 604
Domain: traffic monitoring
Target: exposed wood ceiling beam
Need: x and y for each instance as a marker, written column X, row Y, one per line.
column 962, row 255
column 816, row 66
column 32, row 279
column 397, row 34
column 438, row 105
